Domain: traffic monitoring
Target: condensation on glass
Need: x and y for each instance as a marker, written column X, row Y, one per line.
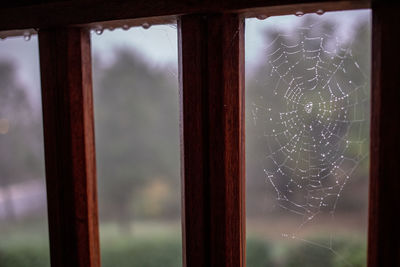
column 23, row 211
column 137, row 145
column 307, row 139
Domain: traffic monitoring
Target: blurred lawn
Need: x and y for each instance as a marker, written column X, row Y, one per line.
column 149, row 244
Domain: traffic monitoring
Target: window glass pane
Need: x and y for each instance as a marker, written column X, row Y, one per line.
column 307, row 139
column 23, row 212
column 137, row 141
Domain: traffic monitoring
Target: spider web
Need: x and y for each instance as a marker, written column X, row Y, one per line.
column 314, row 122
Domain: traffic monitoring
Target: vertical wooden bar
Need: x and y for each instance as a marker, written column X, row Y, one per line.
column 65, row 64
column 212, row 96
column 384, row 220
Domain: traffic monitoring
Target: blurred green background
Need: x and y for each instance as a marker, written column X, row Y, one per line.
column 138, row 161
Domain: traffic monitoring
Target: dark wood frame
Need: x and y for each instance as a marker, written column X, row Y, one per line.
column 211, row 41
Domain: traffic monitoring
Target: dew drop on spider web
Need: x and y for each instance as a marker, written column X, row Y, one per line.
column 310, row 108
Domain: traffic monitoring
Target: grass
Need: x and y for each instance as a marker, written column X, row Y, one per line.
column 150, row 244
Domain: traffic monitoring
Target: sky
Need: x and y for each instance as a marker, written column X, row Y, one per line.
column 158, row 45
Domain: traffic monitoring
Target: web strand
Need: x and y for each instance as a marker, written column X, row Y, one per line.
column 313, row 129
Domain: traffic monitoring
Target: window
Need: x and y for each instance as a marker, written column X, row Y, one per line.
column 136, row 103
column 307, row 139
column 23, row 210
column 211, row 50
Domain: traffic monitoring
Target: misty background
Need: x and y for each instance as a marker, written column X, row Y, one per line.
column 137, row 141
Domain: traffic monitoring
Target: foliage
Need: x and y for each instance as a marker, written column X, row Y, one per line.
column 137, row 139
column 344, row 252
column 258, row 253
column 355, row 253
column 142, row 252
column 165, row 250
column 24, row 254
column 22, row 145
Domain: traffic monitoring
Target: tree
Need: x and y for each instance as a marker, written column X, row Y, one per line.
column 21, row 141
column 137, row 139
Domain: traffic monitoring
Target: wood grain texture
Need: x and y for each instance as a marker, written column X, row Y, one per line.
column 212, row 97
column 384, row 220
column 65, row 64
column 74, row 12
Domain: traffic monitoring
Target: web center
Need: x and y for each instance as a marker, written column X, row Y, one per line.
column 308, row 107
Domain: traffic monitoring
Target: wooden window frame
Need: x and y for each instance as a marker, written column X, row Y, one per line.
column 211, row 67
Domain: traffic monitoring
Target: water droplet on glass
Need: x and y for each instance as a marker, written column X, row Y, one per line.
column 262, row 17
column 299, row 13
column 98, row 30
column 27, row 36
column 320, row 12
column 125, row 27
column 111, row 29
column 146, row 25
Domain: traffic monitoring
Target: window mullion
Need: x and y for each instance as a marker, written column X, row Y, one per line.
column 211, row 64
column 65, row 63
column 384, row 201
